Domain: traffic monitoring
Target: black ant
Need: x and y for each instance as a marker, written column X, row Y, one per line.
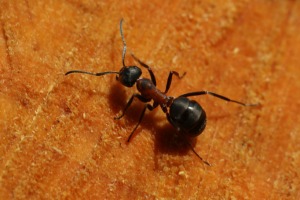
column 186, row 115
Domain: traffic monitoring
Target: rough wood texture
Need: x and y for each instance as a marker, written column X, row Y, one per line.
column 57, row 133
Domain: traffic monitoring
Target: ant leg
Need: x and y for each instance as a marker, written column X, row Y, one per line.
column 140, row 97
column 147, row 106
column 170, row 79
column 146, row 66
column 218, row 96
column 186, row 140
column 204, row 161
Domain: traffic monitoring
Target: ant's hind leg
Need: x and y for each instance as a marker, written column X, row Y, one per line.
column 218, row 96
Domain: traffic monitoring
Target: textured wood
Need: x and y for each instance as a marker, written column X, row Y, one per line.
column 58, row 136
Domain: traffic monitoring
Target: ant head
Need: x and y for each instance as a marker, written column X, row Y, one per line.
column 129, row 75
column 187, row 116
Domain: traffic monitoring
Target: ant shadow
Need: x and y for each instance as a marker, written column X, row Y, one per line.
column 166, row 139
column 169, row 141
column 117, row 97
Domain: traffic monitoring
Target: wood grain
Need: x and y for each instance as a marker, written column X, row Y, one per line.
column 58, row 136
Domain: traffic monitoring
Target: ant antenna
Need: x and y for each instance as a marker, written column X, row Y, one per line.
column 109, row 72
column 90, row 73
column 127, row 76
column 124, row 43
column 204, row 161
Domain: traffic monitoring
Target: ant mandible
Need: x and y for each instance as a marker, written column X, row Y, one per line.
column 186, row 115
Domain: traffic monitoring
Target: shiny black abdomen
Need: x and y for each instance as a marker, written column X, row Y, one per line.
column 187, row 116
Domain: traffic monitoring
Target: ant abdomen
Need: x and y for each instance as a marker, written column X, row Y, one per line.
column 187, row 116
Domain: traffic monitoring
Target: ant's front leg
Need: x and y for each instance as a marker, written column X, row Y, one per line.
column 147, row 67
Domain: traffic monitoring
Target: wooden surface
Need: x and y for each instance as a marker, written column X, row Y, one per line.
column 58, row 138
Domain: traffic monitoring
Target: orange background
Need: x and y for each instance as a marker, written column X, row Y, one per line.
column 58, row 136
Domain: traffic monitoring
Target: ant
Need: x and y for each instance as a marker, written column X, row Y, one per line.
column 187, row 116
